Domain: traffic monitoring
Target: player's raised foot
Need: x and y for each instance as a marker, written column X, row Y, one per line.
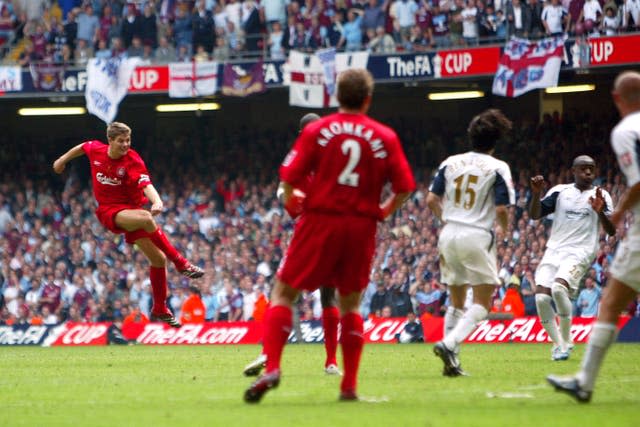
column 454, row 372
column 348, row 396
column 260, row 386
column 191, row 271
column 165, row 317
column 254, row 368
column 570, row 386
column 447, row 356
column 332, row 369
column 558, row 354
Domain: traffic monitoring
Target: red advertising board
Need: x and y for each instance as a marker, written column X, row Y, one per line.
column 615, row 50
column 467, row 62
column 75, row 334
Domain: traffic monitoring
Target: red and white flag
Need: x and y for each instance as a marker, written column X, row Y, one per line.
column 192, row 79
column 526, row 65
column 307, row 86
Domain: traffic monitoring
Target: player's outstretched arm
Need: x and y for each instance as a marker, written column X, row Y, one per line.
column 61, row 162
column 599, row 204
column 535, row 209
column 393, row 203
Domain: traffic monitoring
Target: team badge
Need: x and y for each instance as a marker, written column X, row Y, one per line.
column 120, row 171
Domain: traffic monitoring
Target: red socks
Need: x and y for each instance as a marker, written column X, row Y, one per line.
column 160, row 240
column 352, row 341
column 158, row 276
column 278, row 323
column 330, row 321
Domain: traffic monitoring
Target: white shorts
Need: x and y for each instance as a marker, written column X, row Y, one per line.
column 569, row 266
column 467, row 256
column 626, row 263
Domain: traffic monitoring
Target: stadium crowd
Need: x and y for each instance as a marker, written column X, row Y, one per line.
column 58, row 263
column 69, row 32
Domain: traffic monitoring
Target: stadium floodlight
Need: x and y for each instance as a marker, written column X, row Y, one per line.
column 571, row 88
column 176, row 108
column 447, row 96
column 52, row 111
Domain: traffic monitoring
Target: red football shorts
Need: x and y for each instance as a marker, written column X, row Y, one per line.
column 330, row 250
column 107, row 217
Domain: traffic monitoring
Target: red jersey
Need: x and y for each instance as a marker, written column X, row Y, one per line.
column 351, row 157
column 116, row 181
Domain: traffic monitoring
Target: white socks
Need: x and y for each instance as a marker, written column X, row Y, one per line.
column 547, row 317
column 475, row 314
column 601, row 338
column 564, row 308
column 451, row 319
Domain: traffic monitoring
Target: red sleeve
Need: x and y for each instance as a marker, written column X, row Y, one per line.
column 139, row 172
column 297, row 165
column 402, row 179
column 88, row 147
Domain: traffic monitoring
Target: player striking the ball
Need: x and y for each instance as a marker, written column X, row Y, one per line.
column 122, row 186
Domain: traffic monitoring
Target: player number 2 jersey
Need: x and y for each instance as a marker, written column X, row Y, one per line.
column 471, row 185
column 116, row 181
column 343, row 161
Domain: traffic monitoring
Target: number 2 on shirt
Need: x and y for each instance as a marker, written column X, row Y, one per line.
column 348, row 176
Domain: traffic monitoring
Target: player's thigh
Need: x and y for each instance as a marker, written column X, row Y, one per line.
column 626, row 264
column 547, row 269
column 452, row 271
column 134, row 219
column 309, row 260
column 356, row 244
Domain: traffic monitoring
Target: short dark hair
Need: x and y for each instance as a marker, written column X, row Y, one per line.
column 487, row 128
column 354, row 87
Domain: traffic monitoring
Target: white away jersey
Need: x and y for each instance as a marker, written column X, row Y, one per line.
column 471, row 186
column 625, row 140
column 575, row 223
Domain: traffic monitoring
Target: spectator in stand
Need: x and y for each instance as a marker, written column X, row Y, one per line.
column 631, row 15
column 105, row 23
column 374, row 16
column 588, row 299
column 381, row 42
column 412, row 331
column 131, row 26
column 610, row 23
column 115, row 29
column 251, row 26
column 335, row 32
column 534, row 26
column 193, row 309
column 352, row 33
column 103, row 51
column 136, row 48
column 574, row 7
column 590, row 17
column 27, row 56
column 276, row 39
column 165, row 52
column 555, row 18
column 417, row 41
column 83, row 53
column 512, row 300
column 233, row 9
column 274, row 11
column 440, row 28
column 516, row 14
column 88, row 25
column 470, row 23
column 34, row 9
column 37, row 37
column 201, row 54
column 148, row 26
column 456, row 23
column 405, row 14
column 7, row 23
column 117, row 48
column 203, row 27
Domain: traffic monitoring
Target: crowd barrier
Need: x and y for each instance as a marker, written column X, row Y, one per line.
column 519, row 330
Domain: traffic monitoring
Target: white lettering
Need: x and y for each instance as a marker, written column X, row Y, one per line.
column 105, row 180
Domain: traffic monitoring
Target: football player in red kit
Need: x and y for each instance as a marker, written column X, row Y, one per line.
column 122, row 186
column 351, row 158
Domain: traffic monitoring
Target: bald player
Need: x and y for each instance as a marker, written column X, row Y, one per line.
column 624, row 282
column 330, row 312
column 577, row 209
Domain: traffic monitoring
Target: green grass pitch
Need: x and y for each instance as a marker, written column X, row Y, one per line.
column 401, row 385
